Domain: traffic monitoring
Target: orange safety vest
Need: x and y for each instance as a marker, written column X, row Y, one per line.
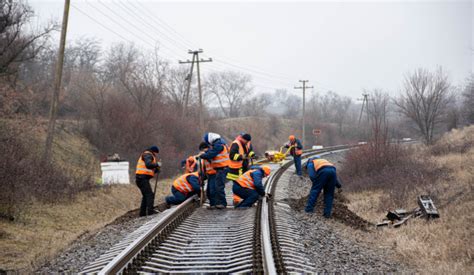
column 209, row 169
column 141, row 167
column 222, row 159
column 236, row 199
column 182, row 185
column 236, row 164
column 246, row 180
column 298, row 152
column 190, row 165
column 320, row 163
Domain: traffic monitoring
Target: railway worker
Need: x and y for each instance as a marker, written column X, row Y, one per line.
column 323, row 176
column 184, row 187
column 249, row 187
column 210, row 174
column 189, row 164
column 239, row 154
column 218, row 155
column 147, row 167
column 296, row 151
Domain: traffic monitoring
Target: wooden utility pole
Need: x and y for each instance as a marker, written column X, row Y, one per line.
column 365, row 104
column 197, row 61
column 190, row 79
column 57, row 85
column 303, row 115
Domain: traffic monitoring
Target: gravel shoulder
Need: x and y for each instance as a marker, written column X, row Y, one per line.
column 338, row 244
column 91, row 245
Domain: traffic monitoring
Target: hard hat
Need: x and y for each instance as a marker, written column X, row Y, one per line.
column 266, row 169
column 292, row 137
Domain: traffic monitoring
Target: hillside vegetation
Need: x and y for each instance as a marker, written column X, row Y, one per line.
column 44, row 208
column 445, row 171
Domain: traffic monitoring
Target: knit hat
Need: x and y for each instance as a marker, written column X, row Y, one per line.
column 209, row 138
column 203, row 145
column 154, row 148
column 247, row 137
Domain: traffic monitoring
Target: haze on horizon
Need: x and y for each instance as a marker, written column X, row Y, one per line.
column 344, row 47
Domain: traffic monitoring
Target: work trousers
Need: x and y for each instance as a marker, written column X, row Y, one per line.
column 297, row 160
column 248, row 195
column 219, row 195
column 177, row 197
column 146, row 207
column 323, row 179
column 211, row 189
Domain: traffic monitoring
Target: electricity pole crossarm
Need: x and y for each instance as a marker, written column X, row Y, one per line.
column 304, row 87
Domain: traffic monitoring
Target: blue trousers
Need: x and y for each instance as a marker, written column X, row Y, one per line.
column 297, row 160
column 324, row 179
column 249, row 196
column 211, row 189
column 220, row 187
column 177, row 197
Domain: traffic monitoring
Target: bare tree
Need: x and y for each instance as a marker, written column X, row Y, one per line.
column 424, row 100
column 378, row 111
column 468, row 102
column 176, row 85
column 256, row 106
column 230, row 88
column 17, row 45
column 140, row 76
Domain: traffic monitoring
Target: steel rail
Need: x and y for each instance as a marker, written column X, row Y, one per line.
column 132, row 252
column 273, row 260
column 160, row 246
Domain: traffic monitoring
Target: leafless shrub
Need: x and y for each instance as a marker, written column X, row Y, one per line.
column 24, row 178
column 402, row 172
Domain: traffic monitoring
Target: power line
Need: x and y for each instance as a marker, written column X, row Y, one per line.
column 131, row 24
column 163, row 23
column 126, row 9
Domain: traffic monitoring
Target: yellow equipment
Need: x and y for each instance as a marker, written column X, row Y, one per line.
column 277, row 156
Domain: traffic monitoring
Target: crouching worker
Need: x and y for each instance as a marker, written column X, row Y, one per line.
column 249, row 187
column 184, row 187
column 323, row 175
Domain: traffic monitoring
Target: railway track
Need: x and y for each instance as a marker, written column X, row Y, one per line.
column 191, row 239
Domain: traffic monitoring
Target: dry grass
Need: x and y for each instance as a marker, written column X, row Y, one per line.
column 43, row 230
column 440, row 246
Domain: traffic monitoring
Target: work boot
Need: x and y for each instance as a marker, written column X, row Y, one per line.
column 211, row 207
column 220, row 206
column 152, row 212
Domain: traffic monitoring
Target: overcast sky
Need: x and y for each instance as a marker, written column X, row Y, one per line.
column 341, row 46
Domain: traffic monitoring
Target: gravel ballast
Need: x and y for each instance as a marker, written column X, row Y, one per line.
column 330, row 249
column 90, row 246
column 322, row 240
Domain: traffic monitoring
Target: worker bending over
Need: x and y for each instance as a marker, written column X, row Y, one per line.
column 323, row 175
column 184, row 187
column 240, row 152
column 249, row 187
column 218, row 155
column 296, row 151
column 147, row 167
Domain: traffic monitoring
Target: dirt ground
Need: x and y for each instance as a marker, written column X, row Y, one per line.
column 44, row 230
column 341, row 212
